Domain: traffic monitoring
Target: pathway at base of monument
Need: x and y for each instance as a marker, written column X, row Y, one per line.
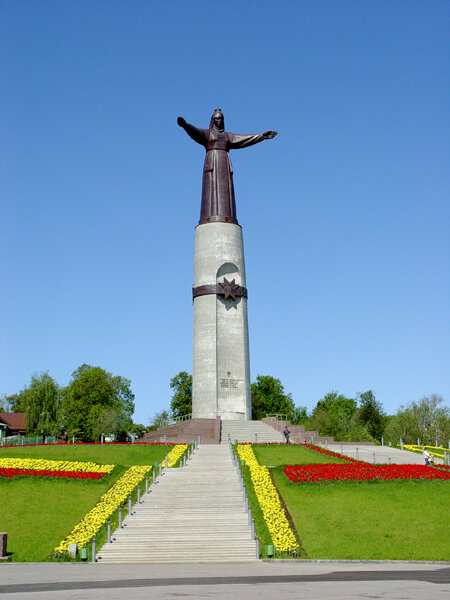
column 244, row 431
column 193, row 514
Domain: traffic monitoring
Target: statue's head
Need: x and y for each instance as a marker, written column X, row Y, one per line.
column 217, row 121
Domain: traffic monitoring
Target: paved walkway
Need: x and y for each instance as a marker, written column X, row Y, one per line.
column 257, row 580
column 383, row 454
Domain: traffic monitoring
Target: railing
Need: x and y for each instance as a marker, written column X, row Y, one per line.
column 115, row 521
column 173, row 420
column 27, row 440
column 277, row 416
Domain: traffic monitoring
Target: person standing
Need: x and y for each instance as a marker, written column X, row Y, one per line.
column 286, row 434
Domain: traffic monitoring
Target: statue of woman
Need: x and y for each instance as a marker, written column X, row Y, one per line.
column 218, row 203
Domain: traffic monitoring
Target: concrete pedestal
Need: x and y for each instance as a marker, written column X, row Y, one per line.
column 221, row 369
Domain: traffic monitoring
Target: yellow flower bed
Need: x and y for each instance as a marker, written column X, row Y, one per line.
column 280, row 531
column 433, row 450
column 108, row 503
column 53, row 465
column 175, row 454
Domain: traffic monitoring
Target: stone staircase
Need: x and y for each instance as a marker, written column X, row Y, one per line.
column 192, row 514
column 245, row 431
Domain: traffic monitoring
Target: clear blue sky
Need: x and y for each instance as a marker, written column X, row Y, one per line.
column 345, row 214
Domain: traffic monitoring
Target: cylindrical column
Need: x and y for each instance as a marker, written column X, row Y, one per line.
column 94, row 550
column 120, row 518
column 221, row 366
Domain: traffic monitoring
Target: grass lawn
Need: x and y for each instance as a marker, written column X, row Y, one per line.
column 38, row 512
column 399, row 520
column 272, row 455
column 125, row 455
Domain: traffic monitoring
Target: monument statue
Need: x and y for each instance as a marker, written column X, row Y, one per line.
column 218, row 203
column 221, row 362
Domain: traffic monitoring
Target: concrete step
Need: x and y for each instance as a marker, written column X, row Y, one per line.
column 192, row 514
column 245, row 431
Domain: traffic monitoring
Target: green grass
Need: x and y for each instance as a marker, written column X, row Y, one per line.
column 272, row 455
column 129, row 455
column 397, row 520
column 37, row 513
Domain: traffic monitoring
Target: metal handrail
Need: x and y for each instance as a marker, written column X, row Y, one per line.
column 173, row 420
column 182, row 418
column 277, row 416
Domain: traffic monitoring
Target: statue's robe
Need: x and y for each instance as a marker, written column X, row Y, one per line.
column 218, row 203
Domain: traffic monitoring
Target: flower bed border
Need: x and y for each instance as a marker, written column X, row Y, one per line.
column 8, row 472
column 361, row 472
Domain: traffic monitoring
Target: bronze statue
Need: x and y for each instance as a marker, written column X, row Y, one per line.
column 218, row 203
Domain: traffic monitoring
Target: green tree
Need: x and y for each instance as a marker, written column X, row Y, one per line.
column 371, row 414
column 299, row 415
column 427, row 419
column 160, row 418
column 10, row 403
column 336, row 415
column 269, row 397
column 139, row 430
column 181, row 403
column 97, row 402
column 41, row 403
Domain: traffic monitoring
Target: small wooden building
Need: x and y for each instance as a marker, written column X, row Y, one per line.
column 12, row 424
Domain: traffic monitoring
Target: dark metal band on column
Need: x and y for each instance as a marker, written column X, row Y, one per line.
column 227, row 289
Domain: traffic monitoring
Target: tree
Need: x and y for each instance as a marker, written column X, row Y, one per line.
column 269, row 397
column 371, row 414
column 181, row 403
column 160, row 419
column 299, row 416
column 336, row 415
column 10, row 403
column 97, row 402
column 41, row 403
column 139, row 430
column 424, row 419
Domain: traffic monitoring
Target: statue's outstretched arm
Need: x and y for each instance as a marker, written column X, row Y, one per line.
column 243, row 141
column 198, row 135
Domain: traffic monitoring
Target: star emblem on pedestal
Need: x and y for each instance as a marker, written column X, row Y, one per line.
column 229, row 288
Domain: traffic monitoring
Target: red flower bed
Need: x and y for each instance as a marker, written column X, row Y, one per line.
column 444, row 467
column 360, row 472
column 42, row 473
column 331, row 453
